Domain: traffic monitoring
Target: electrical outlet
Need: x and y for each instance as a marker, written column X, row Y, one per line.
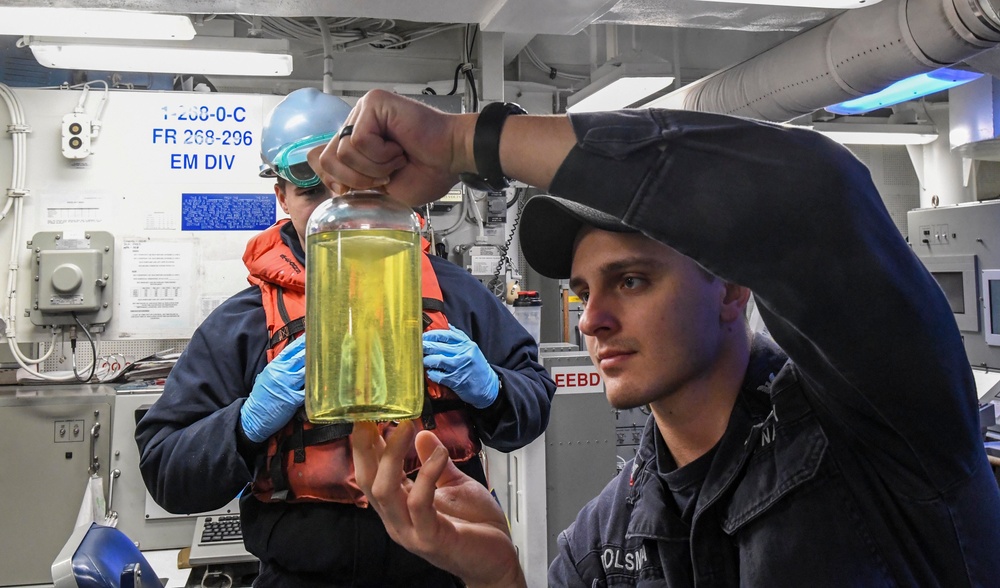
column 76, row 130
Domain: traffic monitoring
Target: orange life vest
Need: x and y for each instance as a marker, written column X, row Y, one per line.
column 313, row 463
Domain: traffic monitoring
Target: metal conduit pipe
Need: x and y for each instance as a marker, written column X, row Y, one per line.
column 857, row 52
column 324, row 31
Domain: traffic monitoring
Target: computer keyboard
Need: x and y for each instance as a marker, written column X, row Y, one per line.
column 222, row 528
column 218, row 539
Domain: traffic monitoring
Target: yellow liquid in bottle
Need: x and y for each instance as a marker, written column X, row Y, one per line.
column 364, row 356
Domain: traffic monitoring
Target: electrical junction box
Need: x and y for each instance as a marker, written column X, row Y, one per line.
column 72, row 276
column 482, row 261
column 69, row 281
column 76, row 135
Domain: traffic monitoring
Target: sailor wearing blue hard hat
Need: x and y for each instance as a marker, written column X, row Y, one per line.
column 230, row 412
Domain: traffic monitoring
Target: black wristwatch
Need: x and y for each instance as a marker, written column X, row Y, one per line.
column 486, row 147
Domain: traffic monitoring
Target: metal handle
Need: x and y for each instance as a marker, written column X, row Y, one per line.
column 110, row 512
column 95, row 464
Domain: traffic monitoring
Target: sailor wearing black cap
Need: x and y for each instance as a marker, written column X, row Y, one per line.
column 841, row 450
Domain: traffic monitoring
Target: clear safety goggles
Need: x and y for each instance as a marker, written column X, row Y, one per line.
column 291, row 164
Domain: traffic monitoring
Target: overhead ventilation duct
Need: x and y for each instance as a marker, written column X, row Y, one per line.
column 856, row 53
column 975, row 120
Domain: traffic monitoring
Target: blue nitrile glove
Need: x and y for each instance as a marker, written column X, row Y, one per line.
column 277, row 393
column 454, row 360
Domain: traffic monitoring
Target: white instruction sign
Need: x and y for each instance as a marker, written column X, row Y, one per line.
column 156, row 288
column 83, row 208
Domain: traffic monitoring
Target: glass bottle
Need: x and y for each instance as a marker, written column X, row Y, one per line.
column 364, row 356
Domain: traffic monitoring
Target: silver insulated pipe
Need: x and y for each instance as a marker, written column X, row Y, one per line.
column 858, row 52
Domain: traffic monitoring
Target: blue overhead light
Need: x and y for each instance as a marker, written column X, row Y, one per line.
column 906, row 89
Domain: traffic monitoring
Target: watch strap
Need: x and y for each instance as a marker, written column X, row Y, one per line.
column 486, row 147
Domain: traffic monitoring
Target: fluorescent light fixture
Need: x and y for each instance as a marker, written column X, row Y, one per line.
column 617, row 85
column 878, row 133
column 830, row 4
column 94, row 23
column 201, row 55
column 906, row 89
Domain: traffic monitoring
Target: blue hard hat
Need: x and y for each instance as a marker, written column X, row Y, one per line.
column 303, row 119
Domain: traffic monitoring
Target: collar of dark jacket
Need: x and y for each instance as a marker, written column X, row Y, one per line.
column 648, row 494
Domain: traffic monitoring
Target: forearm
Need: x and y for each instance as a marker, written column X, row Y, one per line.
column 532, row 149
column 520, row 412
column 177, row 460
column 415, row 152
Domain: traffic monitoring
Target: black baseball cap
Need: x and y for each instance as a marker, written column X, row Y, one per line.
column 549, row 226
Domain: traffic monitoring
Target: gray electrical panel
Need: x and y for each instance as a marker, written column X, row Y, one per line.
column 72, row 277
column 960, row 246
column 53, row 437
